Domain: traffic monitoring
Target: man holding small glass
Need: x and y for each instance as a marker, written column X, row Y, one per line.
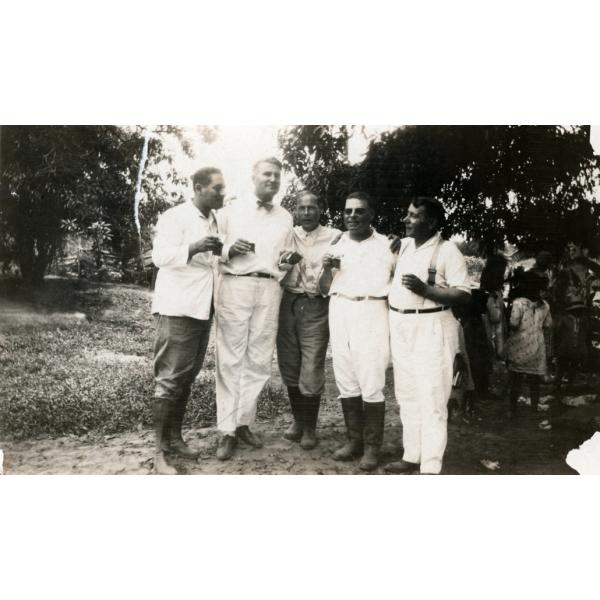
column 255, row 233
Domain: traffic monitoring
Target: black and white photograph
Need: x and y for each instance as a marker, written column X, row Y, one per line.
column 309, row 299
column 264, row 266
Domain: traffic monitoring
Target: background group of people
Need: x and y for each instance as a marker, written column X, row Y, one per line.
column 267, row 283
column 537, row 320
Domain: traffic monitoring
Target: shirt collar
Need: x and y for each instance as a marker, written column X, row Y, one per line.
column 316, row 232
column 198, row 213
column 372, row 236
column 434, row 239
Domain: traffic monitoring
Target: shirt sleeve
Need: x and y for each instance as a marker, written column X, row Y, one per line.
column 222, row 217
column 169, row 248
column 455, row 272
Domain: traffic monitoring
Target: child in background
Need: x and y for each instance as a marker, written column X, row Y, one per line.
column 526, row 349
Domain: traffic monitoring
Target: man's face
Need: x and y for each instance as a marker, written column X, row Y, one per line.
column 417, row 223
column 357, row 216
column 266, row 178
column 308, row 212
column 212, row 195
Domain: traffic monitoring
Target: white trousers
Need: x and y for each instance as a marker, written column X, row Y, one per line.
column 423, row 350
column 360, row 345
column 247, row 311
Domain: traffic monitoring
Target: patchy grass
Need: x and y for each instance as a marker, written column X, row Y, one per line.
column 77, row 358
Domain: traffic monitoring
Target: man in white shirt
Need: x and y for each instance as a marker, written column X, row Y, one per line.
column 247, row 303
column 431, row 277
column 184, row 246
column 303, row 332
column 357, row 274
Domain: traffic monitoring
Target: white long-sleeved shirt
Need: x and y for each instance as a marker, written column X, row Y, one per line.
column 184, row 288
column 304, row 276
column 451, row 271
column 366, row 267
column 268, row 229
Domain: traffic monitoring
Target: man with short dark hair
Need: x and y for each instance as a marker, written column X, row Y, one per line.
column 303, row 332
column 247, row 303
column 357, row 272
column 184, row 247
column 431, row 277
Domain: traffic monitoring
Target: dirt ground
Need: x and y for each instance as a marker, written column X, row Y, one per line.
column 518, row 447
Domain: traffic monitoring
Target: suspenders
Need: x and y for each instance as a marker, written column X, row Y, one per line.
column 432, row 271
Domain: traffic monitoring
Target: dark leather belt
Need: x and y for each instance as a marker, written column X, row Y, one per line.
column 305, row 295
column 359, row 298
column 419, row 311
column 255, row 274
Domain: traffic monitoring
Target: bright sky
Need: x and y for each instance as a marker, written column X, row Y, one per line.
column 234, row 152
column 238, row 148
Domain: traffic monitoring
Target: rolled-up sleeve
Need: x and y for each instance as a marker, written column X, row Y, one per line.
column 456, row 273
column 169, row 248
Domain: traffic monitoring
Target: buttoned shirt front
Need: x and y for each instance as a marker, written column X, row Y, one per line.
column 451, row 271
column 268, row 229
column 184, row 287
column 303, row 278
column 366, row 267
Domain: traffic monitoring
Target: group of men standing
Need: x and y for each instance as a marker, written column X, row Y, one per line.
column 268, row 283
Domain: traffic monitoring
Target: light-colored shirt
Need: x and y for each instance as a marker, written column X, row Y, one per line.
column 303, row 278
column 366, row 267
column 184, row 288
column 451, row 271
column 267, row 229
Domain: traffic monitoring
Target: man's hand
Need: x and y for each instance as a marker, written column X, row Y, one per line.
column 291, row 258
column 395, row 242
column 414, row 284
column 210, row 243
column 329, row 261
column 241, row 247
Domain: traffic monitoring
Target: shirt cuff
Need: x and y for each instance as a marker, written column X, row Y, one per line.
column 225, row 253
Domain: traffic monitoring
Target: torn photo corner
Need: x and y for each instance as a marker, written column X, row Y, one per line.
column 586, row 459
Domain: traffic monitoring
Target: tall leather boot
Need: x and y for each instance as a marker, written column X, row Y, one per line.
column 373, row 434
column 162, row 428
column 309, row 424
column 294, row 431
column 354, row 418
column 177, row 444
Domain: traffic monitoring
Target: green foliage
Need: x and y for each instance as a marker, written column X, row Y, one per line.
column 64, row 376
column 521, row 183
column 318, row 157
column 78, row 175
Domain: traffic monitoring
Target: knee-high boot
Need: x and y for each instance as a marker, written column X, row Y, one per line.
column 354, row 418
column 309, row 422
column 162, row 430
column 177, row 443
column 294, row 431
column 373, row 434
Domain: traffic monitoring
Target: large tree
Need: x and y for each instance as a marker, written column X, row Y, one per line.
column 521, row 183
column 80, row 175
